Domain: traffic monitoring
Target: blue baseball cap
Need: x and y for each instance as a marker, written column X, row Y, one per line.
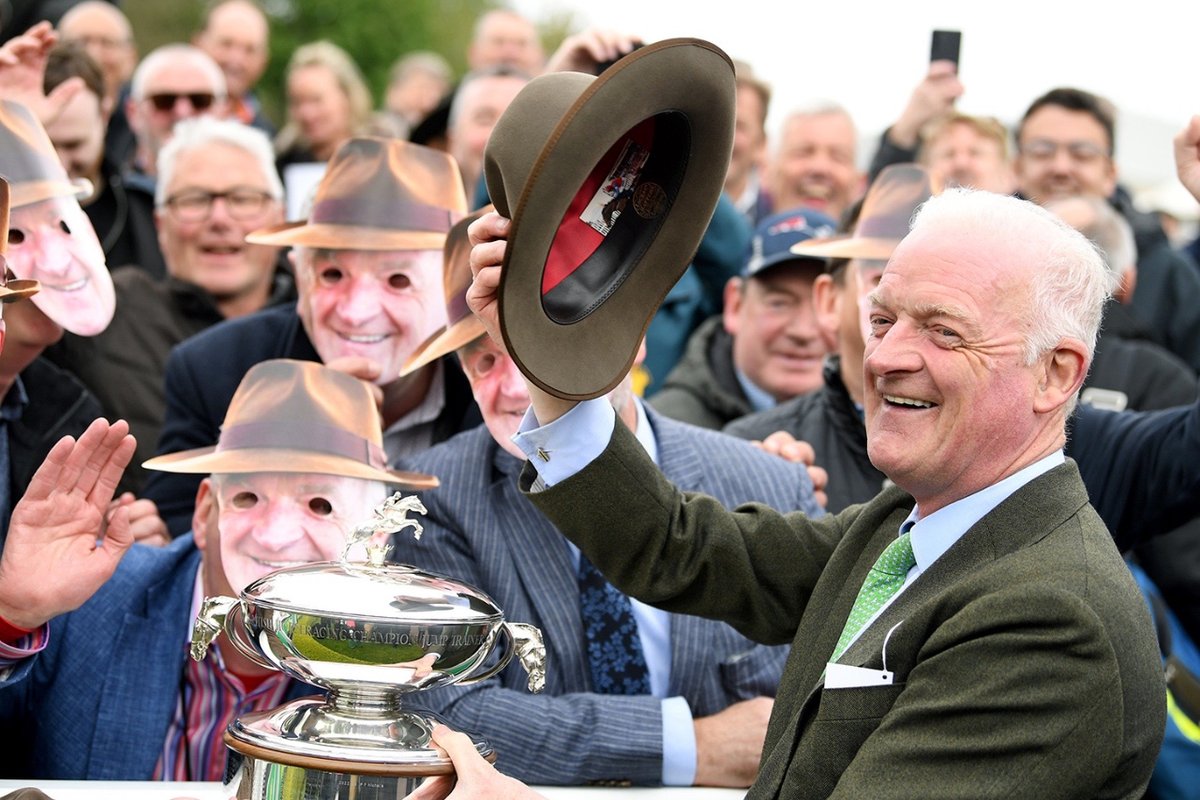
column 777, row 234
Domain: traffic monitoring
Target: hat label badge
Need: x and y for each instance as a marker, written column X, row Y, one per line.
column 617, row 189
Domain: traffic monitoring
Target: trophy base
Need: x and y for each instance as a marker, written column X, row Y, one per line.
column 309, row 733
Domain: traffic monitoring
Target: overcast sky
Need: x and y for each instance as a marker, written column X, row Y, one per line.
column 867, row 54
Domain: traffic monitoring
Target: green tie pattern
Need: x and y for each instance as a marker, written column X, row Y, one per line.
column 883, row 581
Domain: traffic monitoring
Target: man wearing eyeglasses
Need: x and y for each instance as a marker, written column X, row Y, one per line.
column 1065, row 146
column 216, row 183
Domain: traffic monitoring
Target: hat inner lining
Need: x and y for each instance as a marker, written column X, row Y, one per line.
column 614, row 216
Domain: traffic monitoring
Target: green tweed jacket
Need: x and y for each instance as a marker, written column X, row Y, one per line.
column 1025, row 661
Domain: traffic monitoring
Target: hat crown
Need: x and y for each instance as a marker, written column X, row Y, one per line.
column 891, row 202
column 303, row 406
column 379, row 194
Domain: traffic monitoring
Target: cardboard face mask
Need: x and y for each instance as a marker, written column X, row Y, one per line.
column 49, row 237
column 52, row 241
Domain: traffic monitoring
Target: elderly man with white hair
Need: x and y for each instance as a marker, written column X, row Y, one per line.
column 217, row 182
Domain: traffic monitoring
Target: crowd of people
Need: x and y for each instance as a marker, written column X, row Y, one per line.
column 225, row 338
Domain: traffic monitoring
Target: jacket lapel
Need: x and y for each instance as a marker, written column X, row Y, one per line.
column 141, row 684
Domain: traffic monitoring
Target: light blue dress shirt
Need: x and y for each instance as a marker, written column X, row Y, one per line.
column 654, row 625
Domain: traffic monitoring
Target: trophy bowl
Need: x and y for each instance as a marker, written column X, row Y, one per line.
column 368, row 633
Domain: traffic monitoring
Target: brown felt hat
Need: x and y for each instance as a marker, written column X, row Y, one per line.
column 610, row 183
column 11, row 289
column 463, row 327
column 378, row 194
column 885, row 219
column 28, row 160
column 297, row 416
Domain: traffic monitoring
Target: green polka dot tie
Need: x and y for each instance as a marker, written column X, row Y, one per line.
column 883, row 581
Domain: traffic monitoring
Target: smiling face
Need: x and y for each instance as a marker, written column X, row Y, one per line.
column 236, row 38
column 252, row 524
column 376, row 304
column 499, row 389
column 949, row 400
column 777, row 342
column 212, row 251
column 53, row 242
column 815, row 167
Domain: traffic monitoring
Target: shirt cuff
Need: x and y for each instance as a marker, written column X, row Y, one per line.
column 679, row 743
column 568, row 444
column 29, row 645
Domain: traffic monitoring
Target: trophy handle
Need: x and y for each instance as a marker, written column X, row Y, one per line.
column 217, row 613
column 526, row 642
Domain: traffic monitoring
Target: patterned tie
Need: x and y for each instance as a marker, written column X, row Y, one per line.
column 883, row 581
column 610, row 634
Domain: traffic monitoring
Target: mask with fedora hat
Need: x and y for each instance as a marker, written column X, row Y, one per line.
column 610, row 183
column 51, row 239
column 297, row 417
column 886, row 217
column 462, row 326
column 378, row 194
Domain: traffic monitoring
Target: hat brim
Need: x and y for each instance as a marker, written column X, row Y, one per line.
column 588, row 357
column 346, row 237
column 16, row 290
column 847, row 247
column 208, row 460
column 30, row 192
column 443, row 342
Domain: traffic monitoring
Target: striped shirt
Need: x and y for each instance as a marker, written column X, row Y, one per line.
column 210, row 697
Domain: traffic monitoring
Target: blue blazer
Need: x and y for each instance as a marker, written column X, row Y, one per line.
column 480, row 530
column 96, row 703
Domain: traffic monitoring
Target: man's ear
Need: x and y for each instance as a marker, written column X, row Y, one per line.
column 732, row 304
column 1061, row 374
column 827, row 306
column 206, row 504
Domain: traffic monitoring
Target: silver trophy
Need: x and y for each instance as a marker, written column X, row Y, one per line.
column 368, row 633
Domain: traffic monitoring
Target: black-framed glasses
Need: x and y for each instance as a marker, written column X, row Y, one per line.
column 165, row 101
column 194, row 205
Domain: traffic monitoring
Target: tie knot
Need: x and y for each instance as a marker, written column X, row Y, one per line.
column 898, row 558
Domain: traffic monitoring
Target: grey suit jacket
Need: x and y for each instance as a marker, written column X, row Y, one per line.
column 1025, row 661
column 480, row 530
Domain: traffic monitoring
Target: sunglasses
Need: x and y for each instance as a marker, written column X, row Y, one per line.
column 165, row 101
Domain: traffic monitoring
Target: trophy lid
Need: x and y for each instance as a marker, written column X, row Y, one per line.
column 371, row 593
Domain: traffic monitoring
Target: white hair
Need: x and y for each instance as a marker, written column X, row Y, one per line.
column 1070, row 282
column 197, row 132
column 159, row 57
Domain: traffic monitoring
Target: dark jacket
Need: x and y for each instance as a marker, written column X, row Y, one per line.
column 59, row 405
column 829, row 421
column 123, row 217
column 203, row 373
column 1024, row 661
column 124, row 365
column 703, row 388
column 1166, row 299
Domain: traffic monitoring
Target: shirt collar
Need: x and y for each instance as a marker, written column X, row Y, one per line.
column 759, row 399
column 933, row 535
